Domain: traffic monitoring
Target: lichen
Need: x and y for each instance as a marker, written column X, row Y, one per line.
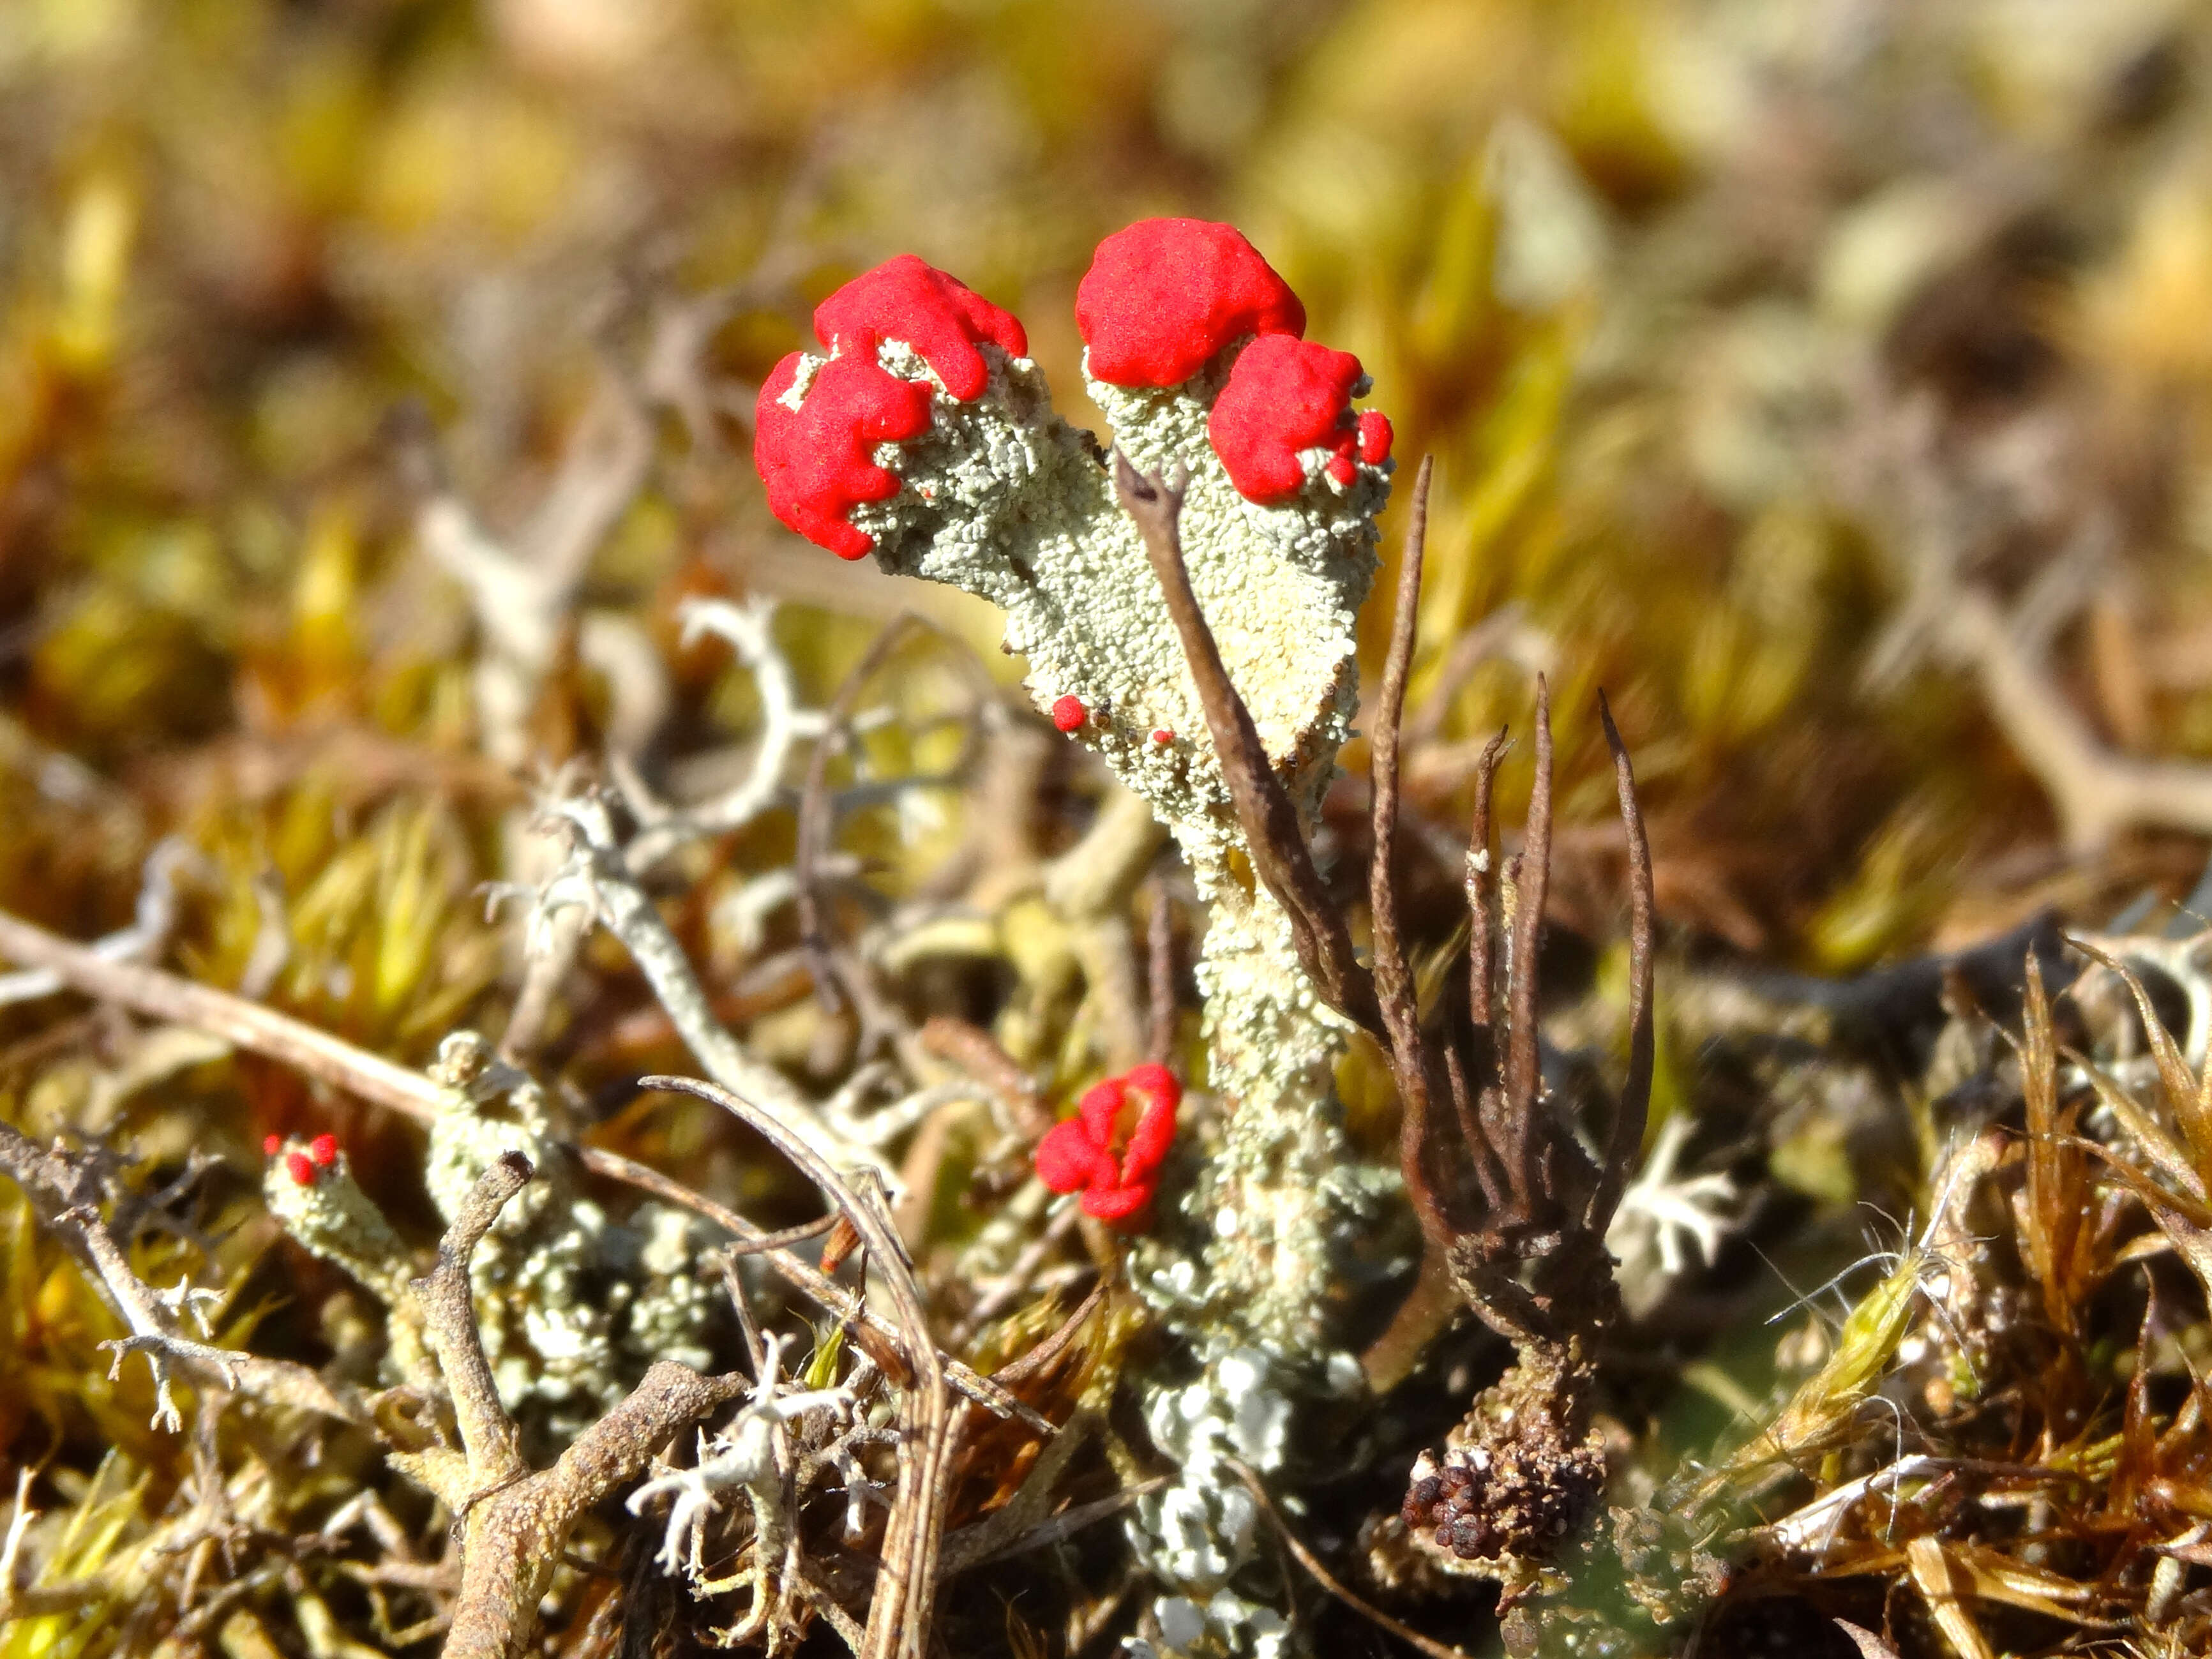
column 572, row 1306
column 1004, row 499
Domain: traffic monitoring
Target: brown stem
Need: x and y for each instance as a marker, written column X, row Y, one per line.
column 1627, row 1140
column 1273, row 837
column 514, row 1537
column 163, row 996
column 1393, row 983
column 1421, row 1318
column 1482, row 887
column 1476, row 1092
column 449, row 1320
column 1523, row 1083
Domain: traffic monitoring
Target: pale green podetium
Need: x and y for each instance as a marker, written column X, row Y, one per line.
column 1004, row 499
column 571, row 1306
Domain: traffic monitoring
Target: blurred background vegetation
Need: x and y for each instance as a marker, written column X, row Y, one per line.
column 1656, row 282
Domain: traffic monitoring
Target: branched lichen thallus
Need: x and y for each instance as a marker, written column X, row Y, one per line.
column 1513, row 1211
column 1188, row 613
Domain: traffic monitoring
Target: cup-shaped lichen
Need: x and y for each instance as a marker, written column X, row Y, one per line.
column 922, row 434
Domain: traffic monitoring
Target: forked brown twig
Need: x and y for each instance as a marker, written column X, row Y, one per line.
column 514, row 1521
column 1513, row 1212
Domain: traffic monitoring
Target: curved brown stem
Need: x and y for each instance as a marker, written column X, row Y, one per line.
column 1272, row 835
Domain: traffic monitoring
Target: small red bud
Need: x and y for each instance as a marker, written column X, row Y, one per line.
column 1068, row 713
column 1375, row 437
column 302, row 1171
column 323, row 1149
column 1161, row 736
column 844, row 1239
column 272, row 1145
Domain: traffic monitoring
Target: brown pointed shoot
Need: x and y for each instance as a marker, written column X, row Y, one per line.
column 1265, row 813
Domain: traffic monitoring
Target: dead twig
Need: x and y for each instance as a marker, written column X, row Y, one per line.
column 488, row 1438
column 66, row 1188
column 977, row 1053
column 967, row 1549
column 1627, row 1140
column 154, row 994
column 1033, row 1362
column 899, row 1620
column 1321, row 1575
column 338, row 1064
column 516, row 1524
column 1264, row 809
column 2094, row 791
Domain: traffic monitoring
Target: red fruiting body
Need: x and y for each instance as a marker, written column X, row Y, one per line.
column 943, row 320
column 1113, row 1161
column 302, row 1171
column 323, row 1149
column 818, row 460
column 1375, row 437
column 1162, row 297
column 1068, row 713
column 272, row 1145
column 1161, row 735
column 1283, row 396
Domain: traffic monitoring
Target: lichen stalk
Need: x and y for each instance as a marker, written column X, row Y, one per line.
column 990, row 491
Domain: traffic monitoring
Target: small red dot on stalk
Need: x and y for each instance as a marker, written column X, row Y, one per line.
column 302, row 1171
column 1161, row 736
column 323, row 1149
column 272, row 1145
column 1068, row 713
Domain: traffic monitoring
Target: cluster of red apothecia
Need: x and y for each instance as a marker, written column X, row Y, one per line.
column 322, row 1153
column 1161, row 301
column 1112, row 1149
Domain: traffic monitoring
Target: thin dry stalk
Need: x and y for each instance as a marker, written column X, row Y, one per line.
column 899, row 1620
column 1321, row 1575
column 1264, row 809
column 338, row 1064
column 1627, row 1140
